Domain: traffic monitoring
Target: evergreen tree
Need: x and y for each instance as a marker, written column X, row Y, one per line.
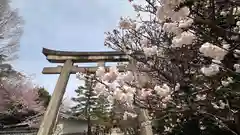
column 89, row 104
column 44, row 96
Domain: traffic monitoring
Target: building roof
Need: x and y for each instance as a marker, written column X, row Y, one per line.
column 35, row 121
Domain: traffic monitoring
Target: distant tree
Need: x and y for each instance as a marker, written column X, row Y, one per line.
column 102, row 109
column 18, row 100
column 87, row 103
column 90, row 105
column 44, row 96
column 18, row 97
column 10, row 31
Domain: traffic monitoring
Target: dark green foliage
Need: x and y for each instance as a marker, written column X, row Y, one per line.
column 44, row 96
column 88, row 103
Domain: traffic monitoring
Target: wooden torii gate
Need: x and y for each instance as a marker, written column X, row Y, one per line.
column 68, row 59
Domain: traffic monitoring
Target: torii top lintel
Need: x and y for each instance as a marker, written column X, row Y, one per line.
column 55, row 56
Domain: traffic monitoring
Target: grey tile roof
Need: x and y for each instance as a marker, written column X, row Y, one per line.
column 35, row 121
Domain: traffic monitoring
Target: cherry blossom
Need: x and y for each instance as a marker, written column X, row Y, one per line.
column 185, row 62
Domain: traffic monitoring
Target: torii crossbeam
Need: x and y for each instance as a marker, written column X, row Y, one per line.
column 54, row 56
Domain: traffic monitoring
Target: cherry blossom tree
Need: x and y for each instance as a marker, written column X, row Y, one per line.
column 21, row 98
column 10, row 30
column 18, row 100
column 187, row 62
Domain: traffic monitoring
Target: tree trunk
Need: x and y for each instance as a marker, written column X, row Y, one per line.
column 89, row 87
column 145, row 129
column 89, row 126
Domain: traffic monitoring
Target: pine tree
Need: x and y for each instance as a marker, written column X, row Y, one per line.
column 101, row 109
column 85, row 101
column 89, row 104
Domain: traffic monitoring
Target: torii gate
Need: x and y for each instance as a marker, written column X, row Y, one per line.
column 69, row 58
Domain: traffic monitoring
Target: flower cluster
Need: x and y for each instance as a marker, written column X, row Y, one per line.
column 113, row 84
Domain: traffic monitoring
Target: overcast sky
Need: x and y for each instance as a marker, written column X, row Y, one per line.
column 64, row 25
